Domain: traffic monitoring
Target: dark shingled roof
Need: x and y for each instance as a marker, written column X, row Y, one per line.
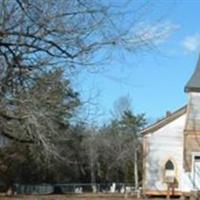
column 193, row 84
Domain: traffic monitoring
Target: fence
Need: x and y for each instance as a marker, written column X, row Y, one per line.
column 34, row 189
column 74, row 188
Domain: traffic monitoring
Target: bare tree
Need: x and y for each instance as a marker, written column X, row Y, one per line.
column 122, row 143
column 40, row 116
column 41, row 35
column 121, row 105
column 91, row 143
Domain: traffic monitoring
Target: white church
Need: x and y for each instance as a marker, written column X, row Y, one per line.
column 171, row 147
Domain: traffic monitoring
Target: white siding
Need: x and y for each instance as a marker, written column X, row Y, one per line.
column 166, row 143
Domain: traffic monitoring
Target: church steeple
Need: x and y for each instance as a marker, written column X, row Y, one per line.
column 192, row 123
column 193, row 84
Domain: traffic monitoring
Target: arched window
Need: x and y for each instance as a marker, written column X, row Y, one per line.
column 170, row 172
column 169, row 165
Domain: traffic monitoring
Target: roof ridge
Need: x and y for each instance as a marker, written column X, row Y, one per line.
column 165, row 120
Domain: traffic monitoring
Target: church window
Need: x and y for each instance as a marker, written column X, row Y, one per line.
column 170, row 172
column 169, row 165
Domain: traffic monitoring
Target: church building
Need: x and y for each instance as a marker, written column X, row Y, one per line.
column 171, row 147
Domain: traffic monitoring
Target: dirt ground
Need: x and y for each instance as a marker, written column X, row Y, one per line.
column 69, row 197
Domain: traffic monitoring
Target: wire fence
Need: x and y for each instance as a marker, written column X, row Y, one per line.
column 77, row 188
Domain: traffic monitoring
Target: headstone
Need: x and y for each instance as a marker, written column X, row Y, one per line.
column 113, row 188
column 78, row 190
column 94, row 188
column 122, row 190
column 128, row 189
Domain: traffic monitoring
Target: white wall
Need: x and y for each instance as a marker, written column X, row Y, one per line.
column 166, row 143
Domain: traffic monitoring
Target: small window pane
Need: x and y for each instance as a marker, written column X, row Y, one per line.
column 197, row 158
column 169, row 165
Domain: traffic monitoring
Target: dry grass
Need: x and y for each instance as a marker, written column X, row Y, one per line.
column 69, row 197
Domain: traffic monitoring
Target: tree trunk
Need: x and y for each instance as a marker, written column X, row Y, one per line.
column 136, row 169
column 92, row 173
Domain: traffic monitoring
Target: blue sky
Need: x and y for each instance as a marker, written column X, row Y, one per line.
column 154, row 80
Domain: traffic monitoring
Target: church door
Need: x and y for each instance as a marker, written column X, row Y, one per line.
column 196, row 171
